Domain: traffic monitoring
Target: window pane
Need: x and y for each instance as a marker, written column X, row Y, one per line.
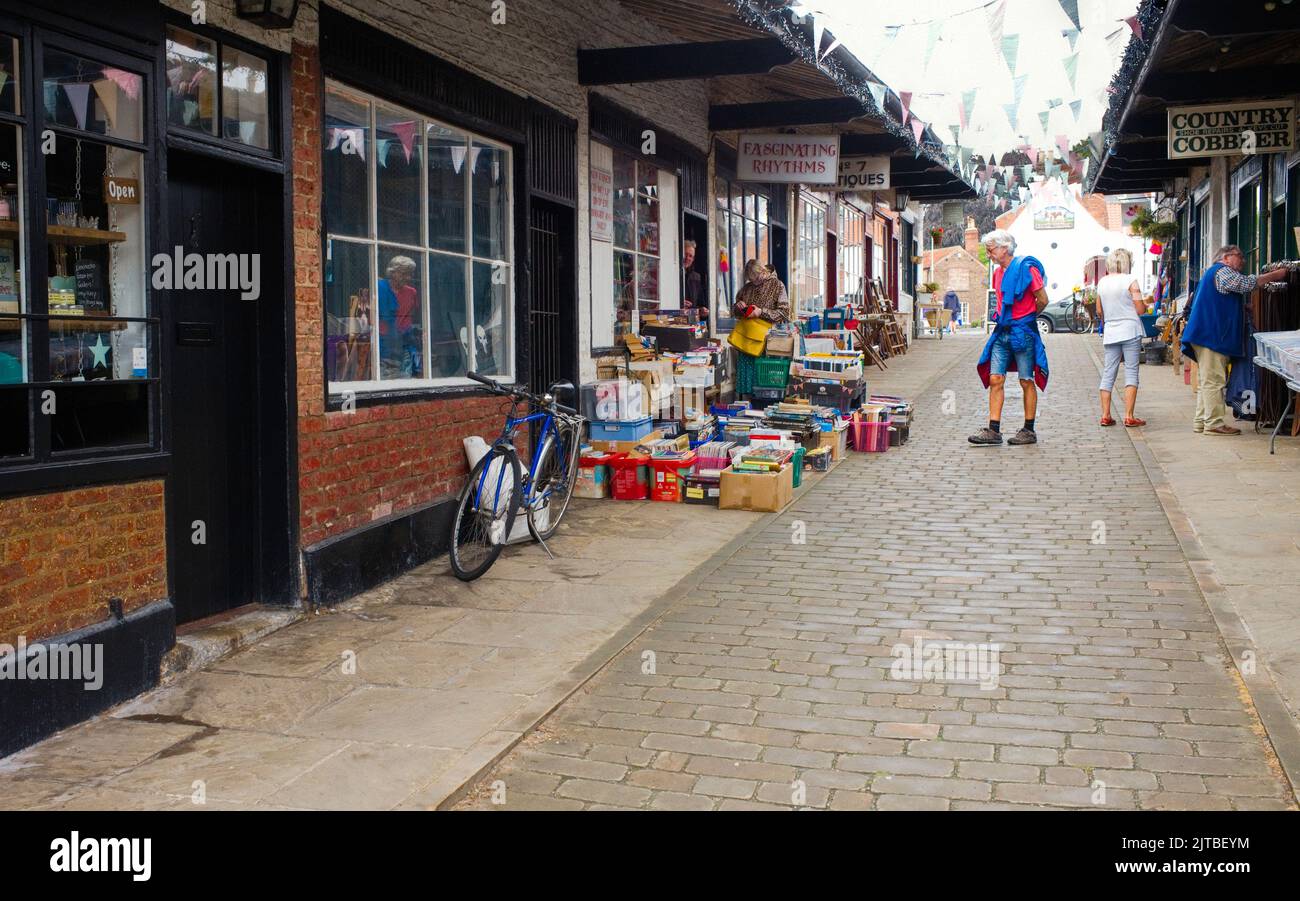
column 348, row 312
column 347, row 180
column 12, row 298
column 96, row 238
column 99, row 416
column 14, row 414
column 761, row 209
column 191, row 81
column 398, row 163
column 490, row 192
column 647, row 179
column 87, row 350
column 647, row 225
column 90, row 96
column 9, row 94
column 12, row 353
column 447, row 151
column 624, row 291
column 401, row 316
column 647, row 284
column 624, row 201
column 763, row 254
column 244, row 98
column 491, row 318
column 447, row 337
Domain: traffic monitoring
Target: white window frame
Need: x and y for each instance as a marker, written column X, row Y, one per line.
column 813, row 239
column 856, row 270
column 423, row 250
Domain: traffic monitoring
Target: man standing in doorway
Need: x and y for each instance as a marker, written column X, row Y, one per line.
column 1015, row 343
column 1216, row 332
column 693, row 293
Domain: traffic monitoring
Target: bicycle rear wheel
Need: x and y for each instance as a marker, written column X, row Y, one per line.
column 485, row 513
column 557, row 473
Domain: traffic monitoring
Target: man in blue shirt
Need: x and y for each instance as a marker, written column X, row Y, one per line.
column 1216, row 333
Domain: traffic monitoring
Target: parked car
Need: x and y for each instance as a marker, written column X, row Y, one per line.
column 1055, row 316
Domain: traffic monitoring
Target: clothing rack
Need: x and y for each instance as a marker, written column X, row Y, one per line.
column 1274, row 311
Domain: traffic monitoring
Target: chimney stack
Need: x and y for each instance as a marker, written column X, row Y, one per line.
column 972, row 238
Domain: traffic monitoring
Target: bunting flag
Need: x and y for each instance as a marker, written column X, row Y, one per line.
column 905, row 98
column 877, row 94
column 819, row 31
column 1133, row 23
column 381, row 151
column 1010, row 47
column 1043, row 117
column 829, row 50
column 1072, row 68
column 79, row 97
column 129, row 82
column 997, row 17
column 1063, row 144
column 956, row 133
column 1076, row 107
column 1019, row 85
column 1071, row 35
column 1071, row 9
column 932, row 38
column 405, row 132
column 967, row 105
column 107, row 93
column 918, row 128
column 1012, row 115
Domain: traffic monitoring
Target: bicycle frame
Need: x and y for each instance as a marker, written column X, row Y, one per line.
column 529, row 477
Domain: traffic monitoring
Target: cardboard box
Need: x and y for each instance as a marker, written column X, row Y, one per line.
column 837, row 441
column 694, row 377
column 625, row 447
column 765, row 492
column 779, row 345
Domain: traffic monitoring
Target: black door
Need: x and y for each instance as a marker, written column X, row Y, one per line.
column 228, row 489
column 552, row 314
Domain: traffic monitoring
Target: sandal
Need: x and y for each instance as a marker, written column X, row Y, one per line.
column 1133, row 423
column 1106, row 420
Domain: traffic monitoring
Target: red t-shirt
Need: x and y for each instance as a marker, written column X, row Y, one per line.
column 1025, row 304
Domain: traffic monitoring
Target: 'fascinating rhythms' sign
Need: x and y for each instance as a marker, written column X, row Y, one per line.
column 810, row 159
column 1231, row 128
column 863, row 173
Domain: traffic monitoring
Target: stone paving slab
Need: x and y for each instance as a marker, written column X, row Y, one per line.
column 773, row 685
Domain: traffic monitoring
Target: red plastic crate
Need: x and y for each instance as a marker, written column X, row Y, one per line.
column 630, row 477
column 668, row 478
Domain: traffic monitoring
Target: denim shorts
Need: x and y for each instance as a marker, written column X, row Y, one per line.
column 1001, row 358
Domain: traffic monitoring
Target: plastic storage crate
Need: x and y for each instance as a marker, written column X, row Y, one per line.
column 771, row 372
column 619, row 430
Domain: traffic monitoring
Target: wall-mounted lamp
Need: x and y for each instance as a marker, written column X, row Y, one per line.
column 268, row 13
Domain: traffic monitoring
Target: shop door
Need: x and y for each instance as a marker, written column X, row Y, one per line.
column 228, row 488
column 552, row 307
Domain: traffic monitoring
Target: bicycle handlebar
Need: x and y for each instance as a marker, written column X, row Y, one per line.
column 518, row 393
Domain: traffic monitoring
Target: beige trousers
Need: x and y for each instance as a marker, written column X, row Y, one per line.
column 1211, row 379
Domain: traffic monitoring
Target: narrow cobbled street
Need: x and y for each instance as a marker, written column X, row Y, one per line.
column 771, row 684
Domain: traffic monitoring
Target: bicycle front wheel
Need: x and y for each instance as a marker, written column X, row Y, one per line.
column 485, row 513
column 557, row 473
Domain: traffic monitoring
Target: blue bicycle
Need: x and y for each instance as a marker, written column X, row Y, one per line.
column 497, row 488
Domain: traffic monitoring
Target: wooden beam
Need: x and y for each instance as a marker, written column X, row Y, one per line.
column 1146, row 126
column 867, row 145
column 782, row 113
column 667, row 62
column 1179, row 88
column 1220, row 19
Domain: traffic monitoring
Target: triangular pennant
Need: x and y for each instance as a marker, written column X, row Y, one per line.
column 1071, row 35
column 932, row 38
column 1043, row 117
column 1076, row 107
column 1010, row 48
column 956, row 133
column 1063, row 145
column 78, row 97
column 381, row 151
column 1019, row 86
column 819, row 30
column 405, row 132
column 997, row 17
column 918, row 128
column 1133, row 23
column 1012, row 115
column 905, row 98
column 1072, row 68
column 457, row 158
column 106, row 91
column 829, row 50
column 877, row 94
column 129, row 82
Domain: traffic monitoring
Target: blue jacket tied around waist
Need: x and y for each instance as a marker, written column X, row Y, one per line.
column 1021, row 333
column 1217, row 320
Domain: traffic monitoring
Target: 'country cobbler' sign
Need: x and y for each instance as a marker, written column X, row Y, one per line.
column 1227, row 129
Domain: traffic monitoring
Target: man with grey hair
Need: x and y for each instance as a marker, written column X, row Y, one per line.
column 1216, row 333
column 1015, row 342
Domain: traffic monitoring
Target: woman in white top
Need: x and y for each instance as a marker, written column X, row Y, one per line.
column 1121, row 309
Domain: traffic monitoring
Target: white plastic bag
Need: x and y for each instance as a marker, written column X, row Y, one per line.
column 476, row 449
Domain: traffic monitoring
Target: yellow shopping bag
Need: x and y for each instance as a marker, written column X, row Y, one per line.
column 750, row 336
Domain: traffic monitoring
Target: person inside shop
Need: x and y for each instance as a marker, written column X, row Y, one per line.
column 1216, row 333
column 1015, row 343
column 693, row 295
column 760, row 304
column 399, row 301
column 952, row 303
column 1122, row 307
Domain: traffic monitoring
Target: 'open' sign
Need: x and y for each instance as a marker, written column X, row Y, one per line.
column 121, row 190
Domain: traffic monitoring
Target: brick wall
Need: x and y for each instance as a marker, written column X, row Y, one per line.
column 976, row 295
column 64, row 554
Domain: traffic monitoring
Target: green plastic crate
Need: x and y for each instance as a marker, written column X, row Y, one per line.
column 797, row 463
column 771, row 372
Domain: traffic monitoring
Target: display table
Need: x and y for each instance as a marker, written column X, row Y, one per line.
column 1293, row 388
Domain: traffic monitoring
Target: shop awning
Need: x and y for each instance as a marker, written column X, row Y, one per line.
column 1190, row 52
column 755, row 47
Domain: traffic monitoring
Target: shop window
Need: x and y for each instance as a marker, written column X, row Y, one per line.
column 811, row 256
column 636, row 267
column 90, row 97
column 233, row 107
column 419, row 275
column 909, row 267
column 9, row 93
column 852, row 254
column 743, row 222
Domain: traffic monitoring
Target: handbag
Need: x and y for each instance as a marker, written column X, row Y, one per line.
column 749, row 336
